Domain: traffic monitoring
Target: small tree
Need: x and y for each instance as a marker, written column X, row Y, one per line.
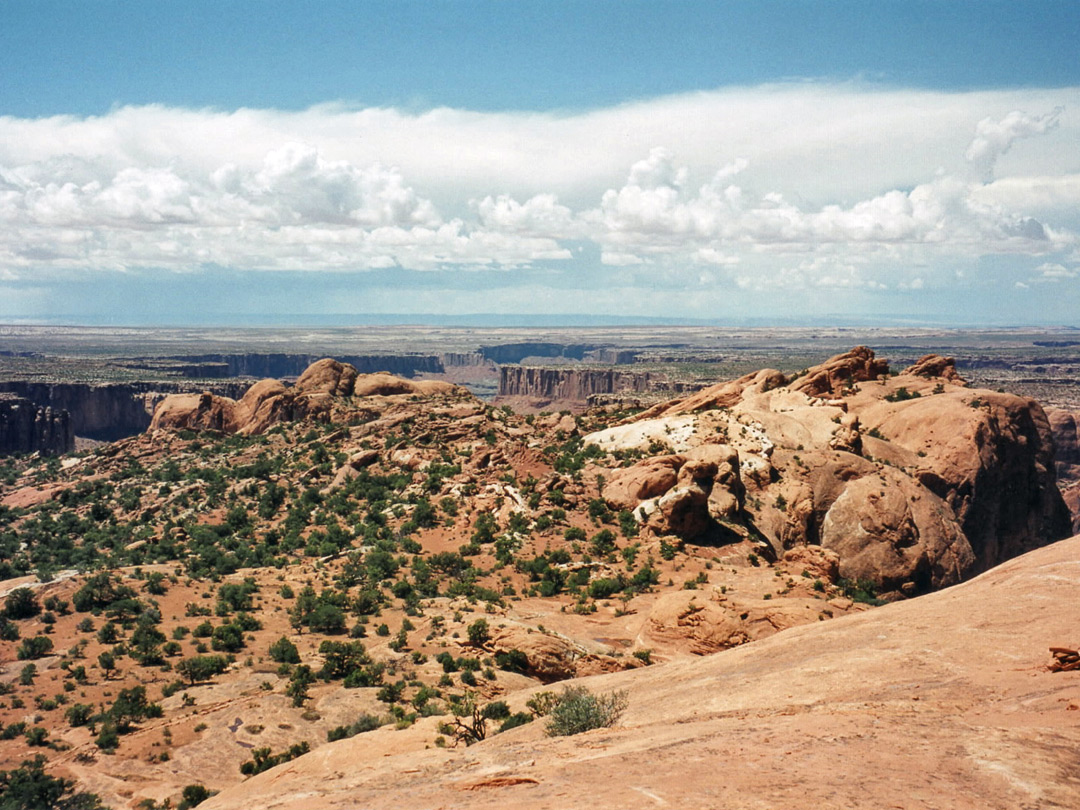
column 194, row 795
column 107, row 662
column 479, row 634
column 301, row 680
column 29, row 786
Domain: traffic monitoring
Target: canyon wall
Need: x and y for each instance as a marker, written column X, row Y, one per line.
column 107, row 411
column 29, row 428
column 276, row 366
column 570, row 383
column 516, row 352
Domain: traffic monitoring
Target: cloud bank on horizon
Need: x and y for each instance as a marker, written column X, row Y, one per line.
column 693, row 200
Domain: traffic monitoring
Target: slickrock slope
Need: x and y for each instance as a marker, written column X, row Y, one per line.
column 940, row 702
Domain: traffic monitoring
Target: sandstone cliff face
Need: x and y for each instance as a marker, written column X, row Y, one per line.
column 569, row 384
column 516, row 352
column 104, row 411
column 1065, row 427
column 916, row 481
column 28, row 428
column 321, row 389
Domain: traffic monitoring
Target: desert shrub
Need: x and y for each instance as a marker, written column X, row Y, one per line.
column 284, row 652
column 513, row 661
column 577, row 710
column 327, row 618
column 21, row 603
column 478, row 633
column 79, row 714
column 129, row 707
column 496, row 710
column 901, row 394
column 605, row 587
column 193, row 796
column 228, row 638
column 202, row 667
column 29, row 786
column 100, row 591
column 468, row 724
column 36, row 647
column 862, row 590
column 236, row 596
column 263, row 760
column 365, row 722
column 515, row 720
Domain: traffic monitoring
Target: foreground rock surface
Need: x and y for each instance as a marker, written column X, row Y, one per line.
column 943, row 701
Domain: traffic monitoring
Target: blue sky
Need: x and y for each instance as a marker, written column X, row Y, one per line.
column 175, row 162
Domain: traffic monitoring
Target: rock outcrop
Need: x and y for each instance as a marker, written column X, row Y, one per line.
column 29, row 428
column 684, row 494
column 916, row 481
column 936, row 366
column 320, row 390
column 839, row 373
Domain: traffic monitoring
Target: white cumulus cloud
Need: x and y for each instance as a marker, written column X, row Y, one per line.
column 797, row 184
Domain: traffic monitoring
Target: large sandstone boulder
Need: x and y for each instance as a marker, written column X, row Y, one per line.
column 682, row 494
column 990, row 457
column 204, row 411
column 647, row 479
column 550, row 657
column 328, row 376
column 888, row 529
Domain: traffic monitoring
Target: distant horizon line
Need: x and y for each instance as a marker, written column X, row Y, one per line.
column 522, row 321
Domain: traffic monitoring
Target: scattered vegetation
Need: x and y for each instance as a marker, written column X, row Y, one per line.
column 577, row 710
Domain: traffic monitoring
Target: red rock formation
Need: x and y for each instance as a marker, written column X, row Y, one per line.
column 989, row 456
column 692, row 490
column 954, row 480
column 934, row 365
column 840, row 372
column 721, row 395
column 324, row 386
